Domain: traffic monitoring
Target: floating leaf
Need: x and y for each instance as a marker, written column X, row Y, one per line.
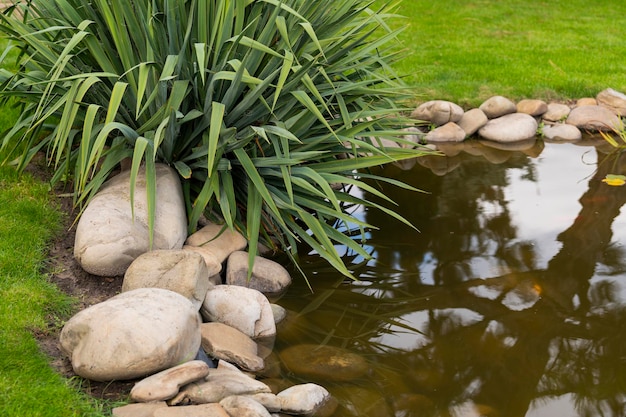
column 615, row 180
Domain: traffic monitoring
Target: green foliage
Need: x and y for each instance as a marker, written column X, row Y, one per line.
column 255, row 103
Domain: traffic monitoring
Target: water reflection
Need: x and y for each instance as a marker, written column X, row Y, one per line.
column 508, row 302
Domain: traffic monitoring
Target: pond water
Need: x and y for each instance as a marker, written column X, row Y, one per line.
column 509, row 301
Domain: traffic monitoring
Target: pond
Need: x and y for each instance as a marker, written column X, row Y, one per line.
column 509, row 300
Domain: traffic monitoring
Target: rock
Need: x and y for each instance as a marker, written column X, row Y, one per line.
column 472, row 120
column 166, row 384
column 131, row 335
column 198, row 410
column 586, row 101
column 438, row 112
column 450, row 132
column 270, row 401
column 227, row 343
column 532, row 107
column 138, row 410
column 214, row 265
column 245, row 309
column 323, row 362
column 279, row 313
column 242, row 406
column 308, row 400
column 509, row 128
column 219, row 384
column 415, row 137
column 593, row 118
column 497, row 106
column 614, row 100
column 561, row 131
column 267, row 277
column 218, row 240
column 181, row 271
column 108, row 239
column 556, row 112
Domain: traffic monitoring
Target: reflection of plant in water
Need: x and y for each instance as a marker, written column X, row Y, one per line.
column 618, row 141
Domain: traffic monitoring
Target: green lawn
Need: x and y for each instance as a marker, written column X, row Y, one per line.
column 467, row 51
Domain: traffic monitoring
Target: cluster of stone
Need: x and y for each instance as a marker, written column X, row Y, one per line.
column 199, row 336
column 499, row 119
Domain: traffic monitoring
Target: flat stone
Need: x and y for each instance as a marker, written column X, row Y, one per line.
column 268, row 277
column 138, row 410
column 472, row 120
column 245, row 309
column 131, row 335
column 243, row 406
column 219, row 384
column 197, row 410
column 227, row 343
column 450, row 132
column 510, row 128
column 108, row 238
column 532, row 107
column 556, row 112
column 593, row 118
column 497, row 106
column 438, row 112
column 562, row 132
column 323, row 362
column 218, row 240
column 307, row 399
column 614, row 100
column 166, row 384
column 181, row 271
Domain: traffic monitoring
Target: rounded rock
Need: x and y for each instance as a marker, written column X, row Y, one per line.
column 510, row 128
column 497, row 106
column 438, row 112
column 594, row 118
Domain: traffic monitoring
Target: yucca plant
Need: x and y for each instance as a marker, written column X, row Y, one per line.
column 269, row 110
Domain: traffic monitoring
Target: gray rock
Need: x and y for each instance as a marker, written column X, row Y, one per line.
column 614, row 100
column 227, row 343
column 510, row 128
column 594, row 118
column 108, row 239
column 472, row 120
column 532, row 107
column 279, row 313
column 497, row 106
column 218, row 240
column 138, row 410
column 267, row 277
column 323, row 362
column 245, row 309
column 561, row 132
column 197, row 410
column 450, row 132
column 219, row 384
column 556, row 112
column 307, row 399
column 131, row 335
column 243, row 406
column 166, row 384
column 181, row 271
column 438, row 112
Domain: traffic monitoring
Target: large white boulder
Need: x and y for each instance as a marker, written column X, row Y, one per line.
column 108, row 238
column 131, row 335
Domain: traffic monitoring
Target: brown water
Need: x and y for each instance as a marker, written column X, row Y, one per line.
column 510, row 301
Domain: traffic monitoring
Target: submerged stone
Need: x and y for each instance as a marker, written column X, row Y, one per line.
column 321, row 362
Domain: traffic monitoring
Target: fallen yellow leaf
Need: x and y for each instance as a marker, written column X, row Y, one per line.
column 615, row 180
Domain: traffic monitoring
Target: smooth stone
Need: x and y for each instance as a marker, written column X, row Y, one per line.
column 268, row 276
column 450, row 132
column 509, row 128
column 414, row 137
column 219, row 384
column 614, row 100
column 594, row 118
column 497, row 106
column 438, row 112
column 586, row 101
column 472, row 120
column 138, row 410
column 556, row 112
column 562, row 132
column 131, row 335
column 227, row 343
column 323, row 362
column 279, row 313
column 108, row 238
column 166, row 384
column 183, row 272
column 270, row 401
column 218, row 240
column 245, row 309
column 532, row 107
column 307, row 399
column 214, row 265
column 196, row 410
column 242, row 406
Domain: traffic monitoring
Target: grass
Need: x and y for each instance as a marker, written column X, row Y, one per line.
column 468, row 51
